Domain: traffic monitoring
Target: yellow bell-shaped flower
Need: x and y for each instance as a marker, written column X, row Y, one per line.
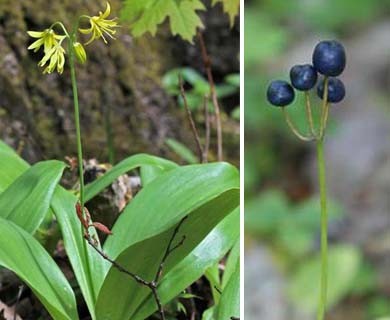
column 47, row 38
column 100, row 26
column 56, row 55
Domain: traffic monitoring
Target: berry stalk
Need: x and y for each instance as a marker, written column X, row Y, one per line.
column 324, row 230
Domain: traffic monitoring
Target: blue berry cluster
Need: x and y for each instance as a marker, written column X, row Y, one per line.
column 329, row 60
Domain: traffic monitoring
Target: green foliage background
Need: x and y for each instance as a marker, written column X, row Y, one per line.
column 280, row 212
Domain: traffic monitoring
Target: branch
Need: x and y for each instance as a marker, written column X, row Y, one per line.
column 170, row 249
column 207, row 124
column 213, row 93
column 191, row 120
column 152, row 285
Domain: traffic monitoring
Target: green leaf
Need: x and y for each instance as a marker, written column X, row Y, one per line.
column 214, row 279
column 207, row 254
column 170, row 80
column 182, row 151
column 22, row 254
column 229, row 304
column 149, row 173
column 231, row 262
column 148, row 14
column 27, row 200
column 231, row 7
column 12, row 166
column 6, row 148
column 233, row 79
column 122, row 167
column 343, row 266
column 204, row 193
column 88, row 266
column 209, row 314
column 224, row 90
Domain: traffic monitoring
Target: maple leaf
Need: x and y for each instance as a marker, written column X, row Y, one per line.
column 231, row 7
column 148, row 14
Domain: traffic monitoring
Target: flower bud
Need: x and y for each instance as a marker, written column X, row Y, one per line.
column 80, row 53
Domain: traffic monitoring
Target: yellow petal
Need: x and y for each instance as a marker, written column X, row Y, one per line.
column 107, row 12
column 61, row 63
column 86, row 31
column 35, row 34
column 36, row 45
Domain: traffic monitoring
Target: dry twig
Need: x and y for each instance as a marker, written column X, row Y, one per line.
column 213, row 93
column 191, row 120
column 207, row 125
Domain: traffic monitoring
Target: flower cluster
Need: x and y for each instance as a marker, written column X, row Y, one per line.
column 329, row 60
column 52, row 43
column 52, row 47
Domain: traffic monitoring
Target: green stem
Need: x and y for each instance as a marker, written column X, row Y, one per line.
column 79, row 148
column 77, row 120
column 324, row 230
column 324, row 108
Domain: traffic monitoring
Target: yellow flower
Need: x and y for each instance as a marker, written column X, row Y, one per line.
column 48, row 38
column 100, row 26
column 80, row 53
column 56, row 55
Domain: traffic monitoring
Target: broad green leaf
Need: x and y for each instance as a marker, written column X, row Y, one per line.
column 27, row 200
column 12, row 166
column 149, row 173
column 23, row 254
column 182, row 151
column 148, row 14
column 343, row 266
column 229, row 304
column 122, row 167
column 6, row 148
column 204, row 193
column 231, row 7
column 206, row 255
column 88, row 267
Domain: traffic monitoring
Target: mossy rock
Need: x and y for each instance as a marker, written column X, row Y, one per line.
column 122, row 77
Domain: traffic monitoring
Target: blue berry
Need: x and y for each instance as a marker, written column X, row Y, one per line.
column 303, row 77
column 280, row 93
column 336, row 90
column 329, row 58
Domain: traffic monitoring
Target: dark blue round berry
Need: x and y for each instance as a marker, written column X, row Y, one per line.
column 336, row 90
column 280, row 93
column 329, row 58
column 303, row 77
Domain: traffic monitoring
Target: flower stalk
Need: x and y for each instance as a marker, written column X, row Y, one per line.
column 76, row 118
